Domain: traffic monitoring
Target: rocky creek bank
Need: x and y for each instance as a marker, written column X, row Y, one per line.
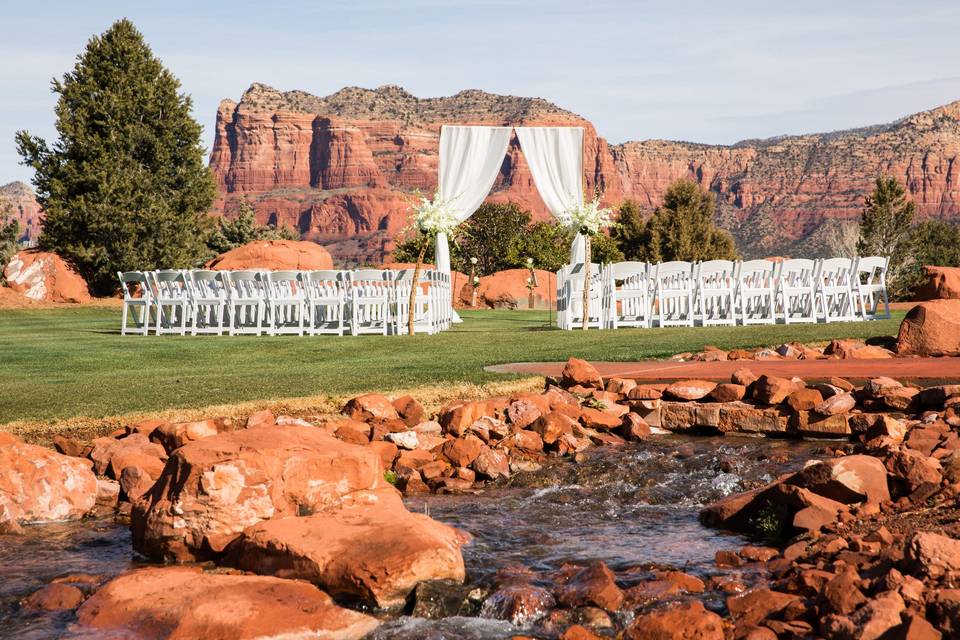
column 278, row 526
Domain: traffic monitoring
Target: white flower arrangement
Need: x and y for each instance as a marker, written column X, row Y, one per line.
column 589, row 217
column 434, row 216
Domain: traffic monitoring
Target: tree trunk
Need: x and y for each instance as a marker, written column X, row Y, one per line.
column 586, row 280
column 415, row 285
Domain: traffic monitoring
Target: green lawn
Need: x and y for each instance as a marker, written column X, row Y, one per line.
column 61, row 363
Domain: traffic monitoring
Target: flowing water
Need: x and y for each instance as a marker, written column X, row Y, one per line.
column 634, row 505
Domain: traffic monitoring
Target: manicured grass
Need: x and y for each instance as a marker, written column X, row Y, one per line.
column 66, row 362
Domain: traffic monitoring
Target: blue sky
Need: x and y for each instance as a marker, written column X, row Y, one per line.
column 700, row 71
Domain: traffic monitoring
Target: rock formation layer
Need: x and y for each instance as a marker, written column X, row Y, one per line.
column 340, row 168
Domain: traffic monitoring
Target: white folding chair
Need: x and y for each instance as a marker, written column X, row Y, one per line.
column 835, row 290
column 713, row 300
column 171, row 300
column 208, row 299
column 870, row 287
column 137, row 295
column 247, row 301
column 423, row 307
column 442, row 300
column 673, row 292
column 561, row 278
column 326, row 301
column 755, row 291
column 628, row 295
column 573, row 296
column 286, row 301
column 796, row 287
column 370, row 298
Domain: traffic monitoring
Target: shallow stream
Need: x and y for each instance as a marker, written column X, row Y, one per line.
column 629, row 506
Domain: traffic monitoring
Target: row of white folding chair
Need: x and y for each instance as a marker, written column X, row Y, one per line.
column 283, row 302
column 722, row 292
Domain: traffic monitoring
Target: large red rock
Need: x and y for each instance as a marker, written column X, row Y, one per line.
column 184, row 602
column 372, row 550
column 931, row 328
column 582, row 373
column 274, row 255
column 508, row 290
column 17, row 200
column 214, row 488
column 682, row 621
column 40, row 485
column 941, row 283
column 40, row 275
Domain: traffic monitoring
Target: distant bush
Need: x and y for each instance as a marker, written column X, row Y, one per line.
column 229, row 234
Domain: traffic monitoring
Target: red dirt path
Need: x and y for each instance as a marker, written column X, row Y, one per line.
column 927, row 370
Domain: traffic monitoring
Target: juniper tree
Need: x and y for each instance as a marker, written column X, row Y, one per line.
column 885, row 231
column 125, row 184
column 682, row 227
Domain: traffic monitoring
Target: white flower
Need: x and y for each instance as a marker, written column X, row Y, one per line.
column 434, row 216
column 476, row 280
column 588, row 217
column 529, row 262
column 473, row 261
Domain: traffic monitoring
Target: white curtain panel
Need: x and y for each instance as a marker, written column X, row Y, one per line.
column 470, row 158
column 555, row 157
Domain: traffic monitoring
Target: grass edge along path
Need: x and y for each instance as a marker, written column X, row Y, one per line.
column 58, row 364
column 310, row 407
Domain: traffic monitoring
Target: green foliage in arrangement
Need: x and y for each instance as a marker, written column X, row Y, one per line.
column 230, row 234
column 125, row 184
column 885, row 231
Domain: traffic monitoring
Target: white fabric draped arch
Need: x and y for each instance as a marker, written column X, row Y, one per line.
column 555, row 157
column 471, row 157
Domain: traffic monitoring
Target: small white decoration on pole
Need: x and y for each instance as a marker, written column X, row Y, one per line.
column 588, row 219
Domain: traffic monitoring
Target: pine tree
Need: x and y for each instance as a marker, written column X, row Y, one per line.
column 125, row 185
column 229, row 234
column 630, row 231
column 682, row 227
column 885, row 231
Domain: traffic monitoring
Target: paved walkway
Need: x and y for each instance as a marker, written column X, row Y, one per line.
column 930, row 371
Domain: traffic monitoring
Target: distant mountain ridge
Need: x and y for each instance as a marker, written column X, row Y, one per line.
column 340, row 168
column 18, row 201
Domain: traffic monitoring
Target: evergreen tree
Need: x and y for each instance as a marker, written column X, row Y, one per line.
column 682, row 227
column 885, row 231
column 125, row 184
column 630, row 232
column 936, row 243
column 547, row 243
column 9, row 237
column 230, row 234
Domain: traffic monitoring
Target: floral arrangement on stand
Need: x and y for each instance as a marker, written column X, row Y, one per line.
column 587, row 218
column 431, row 216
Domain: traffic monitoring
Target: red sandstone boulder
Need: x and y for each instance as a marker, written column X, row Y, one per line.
column 850, row 479
column 182, row 602
column 941, row 283
column 772, row 389
column 520, row 602
column 176, row 434
column 582, row 373
column 931, row 328
column 40, row 485
column 372, row 550
column 54, row 597
column 508, row 289
column 491, row 464
column 274, row 255
column 370, row 406
column 689, row 389
column 593, row 585
column 933, row 554
column 684, row 621
column 212, row 489
column 39, row 275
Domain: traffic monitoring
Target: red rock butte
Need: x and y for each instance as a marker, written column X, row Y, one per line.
column 341, row 168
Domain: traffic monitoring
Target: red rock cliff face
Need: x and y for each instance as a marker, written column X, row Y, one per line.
column 18, row 201
column 341, row 168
